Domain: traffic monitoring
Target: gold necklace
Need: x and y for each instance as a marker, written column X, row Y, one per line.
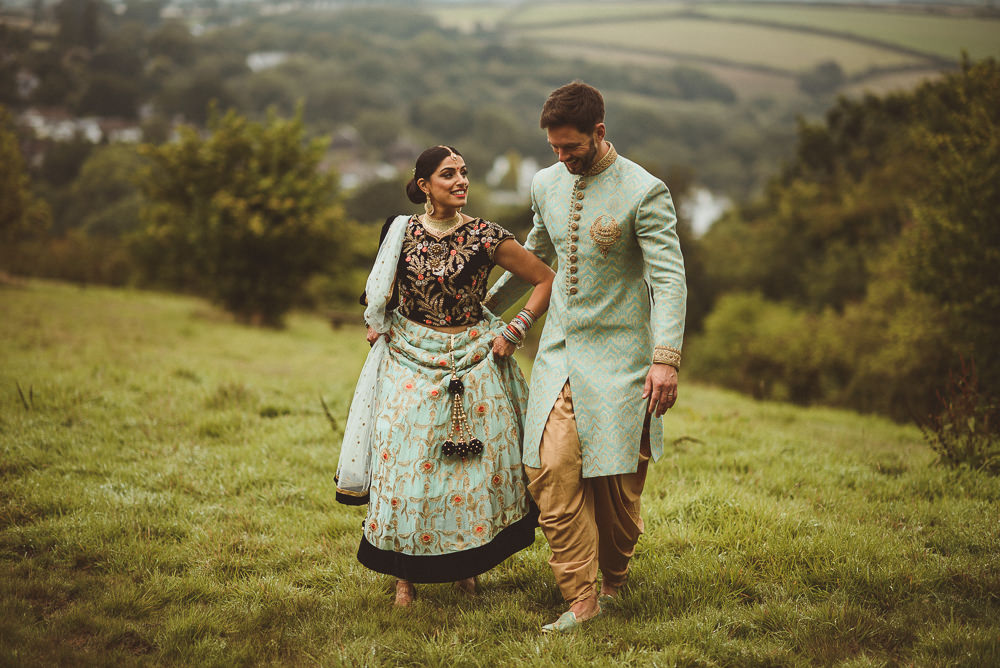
column 439, row 227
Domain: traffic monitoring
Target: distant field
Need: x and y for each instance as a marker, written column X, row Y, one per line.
column 756, row 46
column 943, row 36
column 551, row 12
column 893, row 82
column 729, row 39
column 467, row 18
column 748, row 83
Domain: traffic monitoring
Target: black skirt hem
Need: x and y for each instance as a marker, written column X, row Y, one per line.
column 351, row 500
column 453, row 566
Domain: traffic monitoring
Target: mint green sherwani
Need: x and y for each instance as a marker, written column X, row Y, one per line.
column 619, row 294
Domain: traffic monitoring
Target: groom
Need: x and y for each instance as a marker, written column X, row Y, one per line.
column 606, row 368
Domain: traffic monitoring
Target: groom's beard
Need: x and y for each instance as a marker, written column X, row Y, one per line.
column 582, row 164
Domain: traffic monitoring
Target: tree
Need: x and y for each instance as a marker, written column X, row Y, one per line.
column 886, row 226
column 104, row 199
column 110, row 95
column 21, row 214
column 955, row 255
column 822, row 79
column 243, row 216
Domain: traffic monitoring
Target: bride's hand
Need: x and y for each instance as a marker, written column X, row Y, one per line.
column 502, row 347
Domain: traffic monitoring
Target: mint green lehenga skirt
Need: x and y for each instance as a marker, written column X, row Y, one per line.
column 434, row 517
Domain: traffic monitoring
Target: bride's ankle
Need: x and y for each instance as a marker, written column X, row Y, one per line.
column 405, row 593
column 467, row 585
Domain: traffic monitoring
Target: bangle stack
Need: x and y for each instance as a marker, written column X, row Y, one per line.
column 518, row 327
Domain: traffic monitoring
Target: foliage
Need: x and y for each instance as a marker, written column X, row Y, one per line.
column 244, row 215
column 104, row 198
column 766, row 349
column 167, row 500
column 393, row 74
column 22, row 214
column 955, row 251
column 823, row 79
column 885, row 223
column 74, row 256
column 966, row 431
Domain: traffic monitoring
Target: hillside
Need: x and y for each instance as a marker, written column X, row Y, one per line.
column 758, row 48
column 166, row 498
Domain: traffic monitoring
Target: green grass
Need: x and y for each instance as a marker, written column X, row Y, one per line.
column 166, row 498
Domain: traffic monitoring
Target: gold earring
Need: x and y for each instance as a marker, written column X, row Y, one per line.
column 429, row 208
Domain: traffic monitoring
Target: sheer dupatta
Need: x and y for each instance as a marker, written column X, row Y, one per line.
column 354, row 468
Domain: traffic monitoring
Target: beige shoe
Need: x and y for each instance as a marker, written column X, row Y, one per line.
column 568, row 622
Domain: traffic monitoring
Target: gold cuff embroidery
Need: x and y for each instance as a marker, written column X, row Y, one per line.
column 667, row 355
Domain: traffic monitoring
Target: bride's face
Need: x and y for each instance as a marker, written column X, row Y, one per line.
column 448, row 185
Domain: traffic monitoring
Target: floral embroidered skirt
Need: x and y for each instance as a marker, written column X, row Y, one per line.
column 434, row 517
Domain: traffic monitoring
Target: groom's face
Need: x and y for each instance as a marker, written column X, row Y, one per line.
column 577, row 150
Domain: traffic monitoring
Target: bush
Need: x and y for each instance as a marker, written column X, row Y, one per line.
column 766, row 349
column 966, row 431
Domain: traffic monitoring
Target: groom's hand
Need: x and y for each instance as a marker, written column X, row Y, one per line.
column 661, row 388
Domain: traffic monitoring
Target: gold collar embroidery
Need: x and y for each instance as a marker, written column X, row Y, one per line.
column 605, row 162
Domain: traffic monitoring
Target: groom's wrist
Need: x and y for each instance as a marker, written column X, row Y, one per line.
column 667, row 355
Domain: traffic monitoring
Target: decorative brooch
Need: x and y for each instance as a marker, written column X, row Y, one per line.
column 605, row 231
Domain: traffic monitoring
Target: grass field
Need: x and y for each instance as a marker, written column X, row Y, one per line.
column 943, row 36
column 166, row 498
column 775, row 48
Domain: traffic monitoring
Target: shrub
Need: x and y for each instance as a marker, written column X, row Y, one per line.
column 966, row 431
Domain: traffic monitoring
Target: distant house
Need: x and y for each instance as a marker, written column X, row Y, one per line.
column 60, row 125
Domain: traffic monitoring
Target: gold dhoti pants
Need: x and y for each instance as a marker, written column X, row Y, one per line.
column 590, row 523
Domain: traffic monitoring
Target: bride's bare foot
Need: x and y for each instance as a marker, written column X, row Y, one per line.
column 466, row 586
column 405, row 593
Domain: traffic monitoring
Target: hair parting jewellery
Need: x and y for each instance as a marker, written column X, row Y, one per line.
column 518, row 327
column 466, row 445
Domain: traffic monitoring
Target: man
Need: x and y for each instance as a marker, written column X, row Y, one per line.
column 607, row 362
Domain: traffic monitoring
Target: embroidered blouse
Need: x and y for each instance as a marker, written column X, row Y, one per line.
column 442, row 282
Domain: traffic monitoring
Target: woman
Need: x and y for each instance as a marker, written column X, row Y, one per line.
column 436, row 422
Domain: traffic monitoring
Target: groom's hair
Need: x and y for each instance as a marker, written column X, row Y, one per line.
column 576, row 104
